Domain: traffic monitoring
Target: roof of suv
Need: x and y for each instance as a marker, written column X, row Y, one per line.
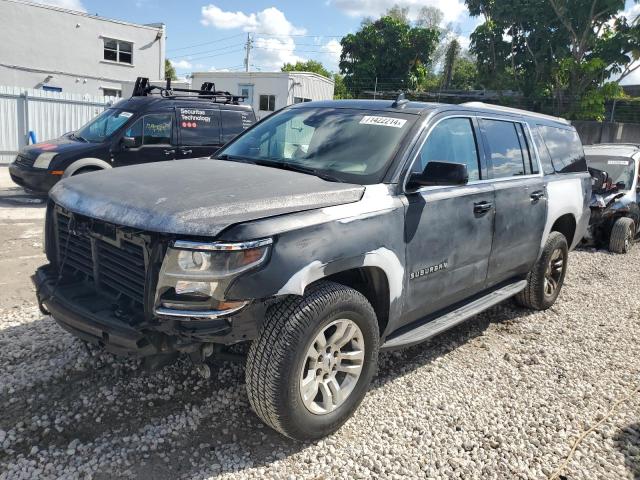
column 422, row 108
column 150, row 102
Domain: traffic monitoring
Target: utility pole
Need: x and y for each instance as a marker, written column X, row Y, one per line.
column 247, row 48
column 375, row 89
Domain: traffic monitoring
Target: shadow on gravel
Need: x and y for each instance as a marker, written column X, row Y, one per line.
column 205, row 427
column 628, row 442
column 17, row 197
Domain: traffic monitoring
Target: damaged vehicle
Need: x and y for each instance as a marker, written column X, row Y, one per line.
column 327, row 232
column 615, row 215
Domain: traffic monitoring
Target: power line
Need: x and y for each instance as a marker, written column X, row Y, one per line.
column 206, row 43
column 192, row 55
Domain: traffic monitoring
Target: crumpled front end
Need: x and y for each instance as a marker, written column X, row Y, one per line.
column 101, row 285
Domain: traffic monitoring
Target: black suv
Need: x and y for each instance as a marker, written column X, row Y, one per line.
column 326, row 232
column 174, row 124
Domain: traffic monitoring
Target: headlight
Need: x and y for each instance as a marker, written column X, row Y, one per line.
column 44, row 159
column 195, row 276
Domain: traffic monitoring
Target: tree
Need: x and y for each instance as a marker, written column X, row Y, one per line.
column 169, row 71
column 465, row 75
column 430, row 17
column 308, row 66
column 450, row 61
column 340, row 90
column 565, row 50
column 392, row 51
column 399, row 13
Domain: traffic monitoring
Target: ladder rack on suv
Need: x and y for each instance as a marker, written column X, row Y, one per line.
column 207, row 91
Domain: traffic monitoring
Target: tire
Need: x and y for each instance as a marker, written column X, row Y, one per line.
column 546, row 278
column 278, row 359
column 622, row 235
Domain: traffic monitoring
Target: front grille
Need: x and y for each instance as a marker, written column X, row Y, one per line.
column 116, row 266
column 24, row 161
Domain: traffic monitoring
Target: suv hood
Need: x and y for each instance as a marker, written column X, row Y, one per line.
column 196, row 197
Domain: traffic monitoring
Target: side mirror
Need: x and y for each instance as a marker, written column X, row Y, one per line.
column 621, row 185
column 129, row 142
column 440, row 173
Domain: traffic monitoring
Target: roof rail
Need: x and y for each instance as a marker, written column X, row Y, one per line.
column 143, row 88
column 498, row 108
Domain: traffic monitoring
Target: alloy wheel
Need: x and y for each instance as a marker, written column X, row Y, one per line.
column 553, row 273
column 332, row 366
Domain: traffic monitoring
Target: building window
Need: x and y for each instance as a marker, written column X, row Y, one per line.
column 301, row 100
column 111, row 92
column 268, row 103
column 118, row 51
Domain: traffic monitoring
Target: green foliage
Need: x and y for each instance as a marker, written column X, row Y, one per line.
column 308, row 66
column 564, row 50
column 340, row 90
column 393, row 51
column 465, row 75
column 450, row 60
column 169, row 71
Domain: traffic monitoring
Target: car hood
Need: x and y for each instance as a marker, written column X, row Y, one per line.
column 196, row 197
column 63, row 144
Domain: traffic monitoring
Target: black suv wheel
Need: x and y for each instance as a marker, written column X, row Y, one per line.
column 313, row 360
column 545, row 280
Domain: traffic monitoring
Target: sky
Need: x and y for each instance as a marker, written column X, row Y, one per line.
column 203, row 36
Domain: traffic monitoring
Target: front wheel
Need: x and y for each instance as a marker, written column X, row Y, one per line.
column 546, row 278
column 312, row 362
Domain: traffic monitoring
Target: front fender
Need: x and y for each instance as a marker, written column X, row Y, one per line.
column 83, row 163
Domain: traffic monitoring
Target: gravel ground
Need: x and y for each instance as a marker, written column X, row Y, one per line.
column 503, row 396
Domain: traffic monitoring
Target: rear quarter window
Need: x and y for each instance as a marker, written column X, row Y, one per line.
column 235, row 122
column 565, row 149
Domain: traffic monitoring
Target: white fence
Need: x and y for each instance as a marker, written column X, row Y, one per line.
column 47, row 114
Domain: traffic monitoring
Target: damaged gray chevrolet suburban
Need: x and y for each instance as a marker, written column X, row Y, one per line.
column 325, row 233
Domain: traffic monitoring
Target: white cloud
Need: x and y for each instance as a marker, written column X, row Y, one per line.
column 273, row 41
column 181, row 64
column 68, row 4
column 332, row 50
column 632, row 12
column 452, row 9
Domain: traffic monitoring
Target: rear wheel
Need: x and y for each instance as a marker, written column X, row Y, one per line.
column 313, row 360
column 621, row 237
column 546, row 278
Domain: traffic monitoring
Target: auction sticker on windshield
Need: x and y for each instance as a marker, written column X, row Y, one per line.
column 618, row 162
column 383, row 121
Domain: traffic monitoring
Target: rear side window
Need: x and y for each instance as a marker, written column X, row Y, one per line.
column 199, row 126
column 545, row 158
column 565, row 149
column 154, row 129
column 452, row 141
column 234, row 122
column 505, row 146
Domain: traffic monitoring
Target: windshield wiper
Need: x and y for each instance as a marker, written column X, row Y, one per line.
column 298, row 168
column 234, row 158
column 76, row 136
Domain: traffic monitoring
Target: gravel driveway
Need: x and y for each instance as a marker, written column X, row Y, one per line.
column 503, row 396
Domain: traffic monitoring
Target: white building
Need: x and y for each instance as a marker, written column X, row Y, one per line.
column 269, row 91
column 55, row 49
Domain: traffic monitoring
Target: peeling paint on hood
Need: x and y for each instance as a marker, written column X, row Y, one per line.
column 198, row 196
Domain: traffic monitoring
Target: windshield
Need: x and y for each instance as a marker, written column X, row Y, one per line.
column 619, row 170
column 347, row 144
column 101, row 127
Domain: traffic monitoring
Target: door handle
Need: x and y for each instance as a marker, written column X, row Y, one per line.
column 169, row 152
column 537, row 196
column 186, row 152
column 482, row 207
